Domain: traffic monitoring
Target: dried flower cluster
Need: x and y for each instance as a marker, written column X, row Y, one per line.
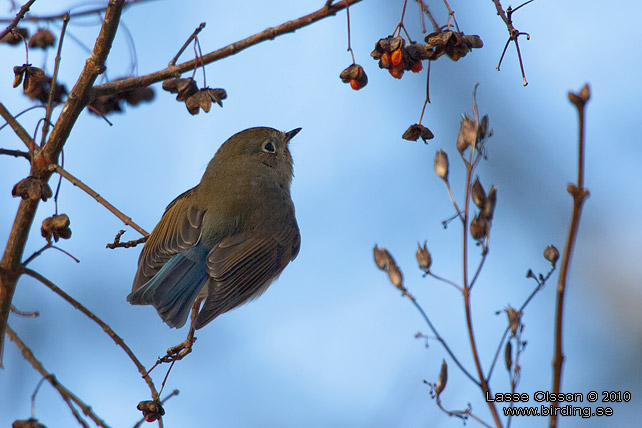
column 152, row 410
column 36, row 85
column 56, row 227
column 32, row 188
column 194, row 98
column 396, row 57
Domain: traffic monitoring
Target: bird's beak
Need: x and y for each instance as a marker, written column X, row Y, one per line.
column 291, row 134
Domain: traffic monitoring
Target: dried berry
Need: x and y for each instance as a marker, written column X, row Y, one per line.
column 396, row 57
column 396, row 72
column 417, row 130
column 355, row 75
column 417, row 67
column 56, row 227
column 42, row 39
column 385, row 60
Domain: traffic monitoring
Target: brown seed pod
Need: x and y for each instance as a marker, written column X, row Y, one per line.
column 441, row 165
column 27, row 423
column 442, row 379
column 478, row 194
column 415, row 131
column 513, row 319
column 551, row 254
column 152, row 409
column 467, row 134
column 381, row 257
column 32, row 188
column 56, row 227
column 479, row 227
column 355, row 75
column 423, row 257
column 42, row 39
column 508, row 356
column 13, row 37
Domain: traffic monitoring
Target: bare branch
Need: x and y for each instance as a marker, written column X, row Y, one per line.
column 106, row 328
column 20, row 15
column 77, row 182
column 66, row 394
column 17, row 128
column 234, row 48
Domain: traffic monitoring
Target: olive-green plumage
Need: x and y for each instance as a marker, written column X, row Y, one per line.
column 226, row 239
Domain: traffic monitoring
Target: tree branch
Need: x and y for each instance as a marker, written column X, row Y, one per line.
column 76, row 101
column 66, row 394
column 21, row 14
column 231, row 49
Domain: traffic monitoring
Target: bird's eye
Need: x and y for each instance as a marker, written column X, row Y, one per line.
column 268, row 147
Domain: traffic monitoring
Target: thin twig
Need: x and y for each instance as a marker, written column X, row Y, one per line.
column 106, row 328
column 348, row 19
column 20, row 15
column 439, row 337
column 128, row 244
column 182, row 49
column 17, row 128
column 54, row 79
column 231, row 49
column 77, row 182
column 66, row 394
column 579, row 194
column 463, row 414
column 425, row 9
column 59, row 16
column 513, row 33
column 15, row 153
column 24, row 313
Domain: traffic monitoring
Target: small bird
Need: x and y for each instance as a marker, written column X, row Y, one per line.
column 225, row 240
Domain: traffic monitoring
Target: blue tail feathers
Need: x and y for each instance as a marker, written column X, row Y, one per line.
column 174, row 288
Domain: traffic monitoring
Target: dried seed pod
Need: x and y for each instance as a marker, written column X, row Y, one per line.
column 417, row 130
column 13, row 37
column 513, row 319
column 396, row 72
column 478, row 194
column 467, row 134
column 203, row 99
column 355, row 75
column 551, row 254
column 42, row 39
column 56, row 227
column 183, row 87
column 423, row 257
column 442, row 379
column 152, row 409
column 27, row 423
column 381, row 257
column 441, row 165
column 137, row 95
column 479, row 227
column 483, row 128
column 32, row 188
column 105, row 104
column 581, row 97
column 508, row 356
column 489, row 204
column 395, row 275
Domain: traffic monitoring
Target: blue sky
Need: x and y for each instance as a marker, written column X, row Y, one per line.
column 331, row 343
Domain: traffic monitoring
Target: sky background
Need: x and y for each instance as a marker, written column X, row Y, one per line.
column 331, row 344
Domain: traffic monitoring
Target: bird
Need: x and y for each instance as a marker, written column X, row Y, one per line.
column 224, row 241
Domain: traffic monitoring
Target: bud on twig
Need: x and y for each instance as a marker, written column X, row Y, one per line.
column 441, row 165
column 551, row 254
column 479, row 195
column 443, row 378
column 423, row 257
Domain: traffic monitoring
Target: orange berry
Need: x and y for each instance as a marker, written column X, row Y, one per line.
column 417, row 67
column 396, row 72
column 355, row 85
column 396, row 57
column 385, row 59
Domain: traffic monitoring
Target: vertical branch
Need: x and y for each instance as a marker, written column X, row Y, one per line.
column 76, row 102
column 579, row 194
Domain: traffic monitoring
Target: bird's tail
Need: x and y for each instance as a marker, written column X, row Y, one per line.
column 174, row 288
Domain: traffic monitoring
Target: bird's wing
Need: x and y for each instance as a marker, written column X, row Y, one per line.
column 178, row 230
column 242, row 266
